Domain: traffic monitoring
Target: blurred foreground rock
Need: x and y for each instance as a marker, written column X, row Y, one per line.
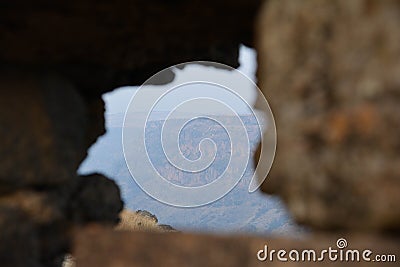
column 100, row 247
column 331, row 71
column 43, row 140
column 101, row 46
column 56, row 60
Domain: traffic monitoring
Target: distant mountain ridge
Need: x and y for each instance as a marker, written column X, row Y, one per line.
column 237, row 211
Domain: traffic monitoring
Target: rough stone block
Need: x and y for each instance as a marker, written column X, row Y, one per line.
column 330, row 70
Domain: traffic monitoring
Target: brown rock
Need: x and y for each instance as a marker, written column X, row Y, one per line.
column 330, row 70
column 41, row 207
column 99, row 247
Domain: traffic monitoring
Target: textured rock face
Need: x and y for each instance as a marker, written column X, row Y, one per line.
column 331, row 71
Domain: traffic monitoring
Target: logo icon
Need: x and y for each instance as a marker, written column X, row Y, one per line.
column 220, row 99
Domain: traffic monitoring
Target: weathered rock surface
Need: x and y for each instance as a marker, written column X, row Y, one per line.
column 331, row 71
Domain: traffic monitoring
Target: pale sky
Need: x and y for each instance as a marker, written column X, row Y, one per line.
column 117, row 101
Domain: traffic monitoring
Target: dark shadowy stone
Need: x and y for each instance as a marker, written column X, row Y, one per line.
column 42, row 130
column 101, row 46
column 19, row 246
column 97, row 199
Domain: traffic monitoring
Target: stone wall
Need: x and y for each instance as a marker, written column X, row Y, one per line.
column 43, row 139
column 56, row 60
column 330, row 70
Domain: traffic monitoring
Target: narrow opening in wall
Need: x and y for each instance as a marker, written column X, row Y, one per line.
column 237, row 211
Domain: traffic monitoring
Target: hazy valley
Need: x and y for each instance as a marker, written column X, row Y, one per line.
column 238, row 211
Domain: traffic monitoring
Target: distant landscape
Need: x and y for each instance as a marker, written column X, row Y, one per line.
column 238, row 211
